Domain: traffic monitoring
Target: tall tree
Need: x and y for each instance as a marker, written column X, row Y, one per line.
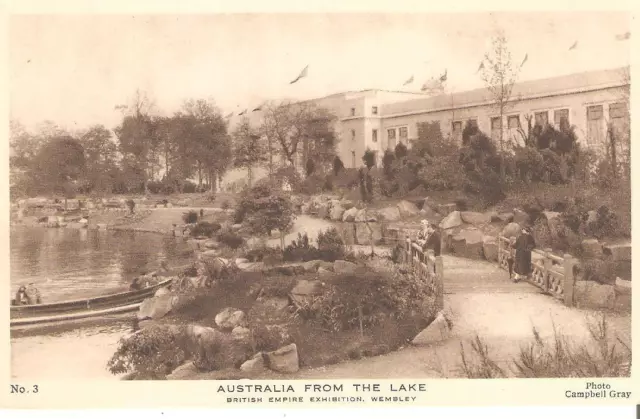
column 101, row 158
column 137, row 142
column 249, row 150
column 59, row 164
column 499, row 75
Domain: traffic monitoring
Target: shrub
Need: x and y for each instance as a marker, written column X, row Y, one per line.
column 401, row 151
column 205, row 228
column 328, row 184
column 366, row 298
column 225, row 205
column 310, row 167
column 312, row 184
column 189, row 187
column 369, row 158
column 151, row 353
column 190, row 217
column 300, row 250
column 266, row 254
column 230, row 239
column 330, row 245
column 338, row 166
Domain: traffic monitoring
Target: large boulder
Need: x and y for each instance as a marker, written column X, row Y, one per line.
column 452, row 220
column 490, row 248
column 284, row 360
column 389, row 214
column 336, row 212
column 344, row 267
column 506, row 217
column 230, row 318
column 511, row 230
column 254, row 365
column 468, row 243
column 589, row 294
column 591, row 248
column 241, row 333
column 438, row 330
column 305, row 291
column 475, row 218
column 407, row 209
column 550, row 215
column 157, row 307
column 363, row 216
column 365, row 232
column 350, row 215
column 215, row 350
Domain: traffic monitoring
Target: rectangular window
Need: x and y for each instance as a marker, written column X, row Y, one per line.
column 403, row 134
column 496, row 128
column 542, row 118
column 595, row 125
column 559, row 115
column 353, row 159
column 353, row 135
column 513, row 121
column 618, row 110
column 391, row 137
column 374, row 110
column 374, row 135
column 619, row 117
column 353, row 111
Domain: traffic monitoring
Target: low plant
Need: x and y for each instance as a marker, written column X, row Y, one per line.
column 205, row 229
column 190, row 217
column 331, row 246
column 300, row 250
column 231, row 239
column 131, row 205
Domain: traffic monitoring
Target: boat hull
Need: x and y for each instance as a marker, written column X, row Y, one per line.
column 79, row 309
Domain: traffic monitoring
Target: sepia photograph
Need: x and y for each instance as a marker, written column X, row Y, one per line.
column 320, row 196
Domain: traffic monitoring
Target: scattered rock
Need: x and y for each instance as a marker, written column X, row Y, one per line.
column 468, row 243
column 437, row 331
column 446, row 209
column 550, row 215
column 511, row 230
column 322, row 272
column 236, row 227
column 389, row 214
column 589, row 294
column 284, row 360
column 157, row 307
column 254, row 365
column 475, row 218
column 506, row 217
column 344, row 267
column 304, row 291
column 490, row 248
column 592, row 217
column 363, row 217
column 407, row 209
column 186, row 370
column 230, row 318
column 591, row 248
column 350, row 215
column 211, row 244
column 311, row 266
column 241, row 333
column 623, row 286
column 452, row 220
column 161, row 291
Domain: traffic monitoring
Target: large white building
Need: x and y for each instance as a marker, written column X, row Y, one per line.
column 379, row 119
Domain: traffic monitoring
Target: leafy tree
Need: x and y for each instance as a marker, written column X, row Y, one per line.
column 265, row 208
column 249, row 149
column 101, row 158
column 59, row 164
column 369, row 158
column 401, row 151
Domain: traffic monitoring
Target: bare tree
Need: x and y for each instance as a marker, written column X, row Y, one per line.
column 499, row 75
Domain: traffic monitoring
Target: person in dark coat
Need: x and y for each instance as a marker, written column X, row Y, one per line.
column 433, row 241
column 524, row 246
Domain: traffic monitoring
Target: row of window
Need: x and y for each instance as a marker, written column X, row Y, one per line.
column 374, row 111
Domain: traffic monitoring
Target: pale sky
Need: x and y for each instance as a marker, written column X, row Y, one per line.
column 74, row 70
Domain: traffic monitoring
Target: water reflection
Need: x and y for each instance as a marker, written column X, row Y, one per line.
column 68, row 263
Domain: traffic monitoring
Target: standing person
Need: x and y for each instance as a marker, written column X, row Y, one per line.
column 434, row 241
column 423, row 234
column 524, row 246
column 21, row 298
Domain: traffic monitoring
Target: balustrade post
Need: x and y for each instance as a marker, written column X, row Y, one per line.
column 569, row 279
column 439, row 283
column 547, row 269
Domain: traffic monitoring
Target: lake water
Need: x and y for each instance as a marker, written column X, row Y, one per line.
column 68, row 264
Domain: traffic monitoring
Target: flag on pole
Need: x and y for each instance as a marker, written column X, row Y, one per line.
column 443, row 78
column 623, row 36
column 480, row 67
column 409, row 81
column 574, row 46
column 526, row 57
column 302, row 74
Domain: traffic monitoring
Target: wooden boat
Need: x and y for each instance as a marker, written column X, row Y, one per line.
column 80, row 309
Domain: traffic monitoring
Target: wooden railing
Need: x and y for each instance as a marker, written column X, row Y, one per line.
column 553, row 274
column 428, row 266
